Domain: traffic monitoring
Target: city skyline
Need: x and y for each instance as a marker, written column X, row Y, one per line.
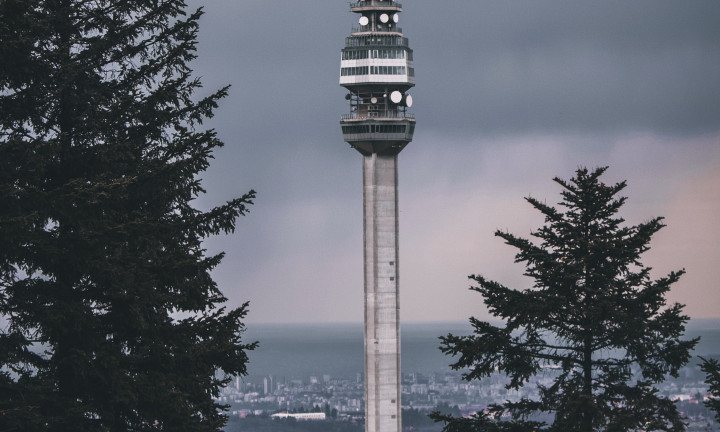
column 509, row 96
column 310, row 365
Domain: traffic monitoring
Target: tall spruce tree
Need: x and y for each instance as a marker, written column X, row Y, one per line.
column 593, row 322
column 711, row 367
column 109, row 318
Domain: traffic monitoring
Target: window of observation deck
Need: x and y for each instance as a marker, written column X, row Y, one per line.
column 387, row 70
column 355, row 54
column 387, row 53
column 357, row 70
column 358, row 129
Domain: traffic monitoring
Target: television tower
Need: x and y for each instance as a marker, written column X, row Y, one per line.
column 376, row 68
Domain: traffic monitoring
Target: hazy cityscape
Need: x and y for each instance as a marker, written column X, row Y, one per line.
column 341, row 398
column 299, row 385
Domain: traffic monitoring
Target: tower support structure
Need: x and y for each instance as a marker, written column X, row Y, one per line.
column 376, row 68
column 382, row 304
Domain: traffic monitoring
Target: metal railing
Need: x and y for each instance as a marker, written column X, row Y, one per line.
column 378, row 115
column 358, row 4
column 378, row 29
column 378, row 40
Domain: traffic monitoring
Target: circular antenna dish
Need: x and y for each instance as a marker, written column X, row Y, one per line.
column 408, row 101
column 364, row 21
column 373, row 100
column 396, row 96
column 384, row 18
column 396, row 18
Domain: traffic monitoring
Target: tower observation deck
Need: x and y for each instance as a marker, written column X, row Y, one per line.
column 376, row 68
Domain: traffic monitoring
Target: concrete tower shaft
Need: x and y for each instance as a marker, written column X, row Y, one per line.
column 382, row 306
column 376, row 68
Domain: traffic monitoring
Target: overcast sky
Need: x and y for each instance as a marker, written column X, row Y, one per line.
column 509, row 94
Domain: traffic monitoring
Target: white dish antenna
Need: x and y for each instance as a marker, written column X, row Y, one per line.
column 384, row 18
column 396, row 96
column 396, row 18
column 373, row 100
column 364, row 20
column 408, row 101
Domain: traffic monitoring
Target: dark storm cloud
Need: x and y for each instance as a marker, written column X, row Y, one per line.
column 490, row 67
column 509, row 94
column 515, row 66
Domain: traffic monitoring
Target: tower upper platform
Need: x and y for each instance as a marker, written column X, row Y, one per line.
column 376, row 67
column 365, row 5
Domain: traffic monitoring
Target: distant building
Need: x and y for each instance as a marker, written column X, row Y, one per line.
column 301, row 416
column 268, row 385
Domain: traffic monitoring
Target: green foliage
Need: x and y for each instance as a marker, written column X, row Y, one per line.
column 109, row 318
column 593, row 321
column 444, row 408
column 264, row 424
column 711, row 367
column 484, row 422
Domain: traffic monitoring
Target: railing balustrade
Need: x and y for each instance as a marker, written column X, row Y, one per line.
column 378, row 29
column 375, row 40
column 358, row 4
column 378, row 115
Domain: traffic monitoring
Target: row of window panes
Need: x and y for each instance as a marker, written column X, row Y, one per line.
column 355, row 55
column 387, row 70
column 355, row 41
column 358, row 70
column 387, row 128
column 390, row 54
column 360, row 129
column 377, row 54
column 375, row 70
